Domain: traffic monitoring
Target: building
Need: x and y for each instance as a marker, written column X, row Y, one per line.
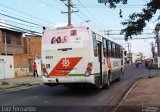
column 32, row 47
column 24, row 50
column 10, row 42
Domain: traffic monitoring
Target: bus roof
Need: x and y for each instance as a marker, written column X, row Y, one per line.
column 87, row 27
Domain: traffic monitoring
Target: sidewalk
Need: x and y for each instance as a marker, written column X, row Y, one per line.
column 19, row 82
column 144, row 96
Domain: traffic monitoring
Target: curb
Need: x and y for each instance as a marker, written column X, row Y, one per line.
column 18, row 87
column 126, row 94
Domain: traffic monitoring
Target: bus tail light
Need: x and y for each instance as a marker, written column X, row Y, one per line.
column 89, row 69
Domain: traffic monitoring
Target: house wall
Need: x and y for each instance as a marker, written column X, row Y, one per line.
column 21, row 65
column 32, row 47
column 15, row 43
column 6, row 67
column 1, row 41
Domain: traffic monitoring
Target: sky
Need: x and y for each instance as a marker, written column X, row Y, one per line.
column 48, row 13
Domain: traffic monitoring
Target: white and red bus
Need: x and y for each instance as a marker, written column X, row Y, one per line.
column 79, row 56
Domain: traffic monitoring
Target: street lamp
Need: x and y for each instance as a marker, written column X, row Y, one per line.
column 86, row 21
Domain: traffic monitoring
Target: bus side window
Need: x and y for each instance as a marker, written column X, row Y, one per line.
column 94, row 44
column 113, row 50
column 117, row 51
column 121, row 53
column 107, row 53
column 108, row 48
column 104, row 48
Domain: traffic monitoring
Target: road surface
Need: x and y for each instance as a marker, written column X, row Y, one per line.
column 60, row 98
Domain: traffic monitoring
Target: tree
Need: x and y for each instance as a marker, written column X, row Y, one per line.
column 137, row 21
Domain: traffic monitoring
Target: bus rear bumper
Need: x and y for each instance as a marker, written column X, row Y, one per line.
column 69, row 79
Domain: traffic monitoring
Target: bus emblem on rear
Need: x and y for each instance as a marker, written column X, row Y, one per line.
column 66, row 63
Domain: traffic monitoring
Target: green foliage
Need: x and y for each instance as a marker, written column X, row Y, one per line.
column 112, row 3
column 137, row 21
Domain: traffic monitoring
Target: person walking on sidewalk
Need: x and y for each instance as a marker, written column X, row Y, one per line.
column 35, row 70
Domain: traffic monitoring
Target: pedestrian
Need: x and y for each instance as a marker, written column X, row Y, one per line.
column 35, row 70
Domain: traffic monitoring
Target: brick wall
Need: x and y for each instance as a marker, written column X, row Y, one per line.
column 14, row 43
column 21, row 65
column 1, row 40
column 32, row 45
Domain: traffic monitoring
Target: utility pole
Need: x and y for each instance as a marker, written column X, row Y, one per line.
column 129, row 53
column 70, row 11
column 129, row 56
column 158, row 47
column 157, row 29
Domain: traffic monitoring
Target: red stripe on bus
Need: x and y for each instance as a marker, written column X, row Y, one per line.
column 109, row 63
column 65, row 66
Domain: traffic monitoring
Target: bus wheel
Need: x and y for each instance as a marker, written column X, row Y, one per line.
column 107, row 85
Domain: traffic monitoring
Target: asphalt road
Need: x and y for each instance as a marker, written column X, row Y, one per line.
column 60, row 98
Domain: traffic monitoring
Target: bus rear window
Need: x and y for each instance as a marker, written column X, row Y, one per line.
column 73, row 32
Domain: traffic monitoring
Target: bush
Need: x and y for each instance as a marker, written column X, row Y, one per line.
column 5, row 83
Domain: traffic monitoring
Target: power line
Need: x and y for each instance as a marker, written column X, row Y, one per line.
column 20, row 19
column 124, row 34
column 49, row 5
column 135, row 38
column 69, row 6
column 21, row 24
column 85, row 16
column 105, row 6
column 89, row 12
column 76, row 13
column 17, row 15
column 61, row 3
column 100, row 6
column 18, row 30
column 24, row 13
column 16, row 27
column 80, row 16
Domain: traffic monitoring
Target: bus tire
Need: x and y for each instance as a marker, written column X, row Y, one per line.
column 107, row 85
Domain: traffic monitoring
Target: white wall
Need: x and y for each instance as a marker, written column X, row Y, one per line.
column 7, row 64
column 2, row 69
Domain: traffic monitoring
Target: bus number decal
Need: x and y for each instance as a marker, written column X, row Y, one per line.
column 115, row 63
column 49, row 57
